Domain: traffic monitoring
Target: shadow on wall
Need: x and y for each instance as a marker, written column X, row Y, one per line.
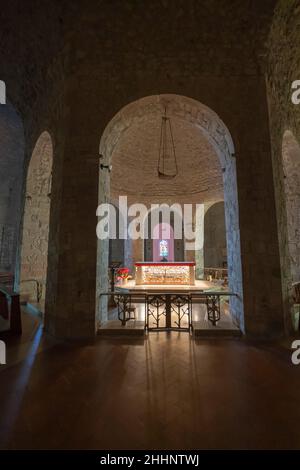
column 215, row 252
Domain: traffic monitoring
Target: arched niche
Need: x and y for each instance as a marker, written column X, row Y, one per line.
column 291, row 177
column 163, row 242
column 153, row 219
column 34, row 251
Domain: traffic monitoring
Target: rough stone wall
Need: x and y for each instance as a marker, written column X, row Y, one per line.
column 283, row 68
column 215, row 236
column 291, row 169
column 34, row 70
column 11, row 177
column 99, row 60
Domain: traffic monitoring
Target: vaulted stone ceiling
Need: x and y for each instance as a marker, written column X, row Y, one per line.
column 131, row 143
column 135, row 158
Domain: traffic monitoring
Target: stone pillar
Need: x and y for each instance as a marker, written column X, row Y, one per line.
column 128, row 259
column 71, row 301
column 262, row 294
column 137, row 250
column 199, row 248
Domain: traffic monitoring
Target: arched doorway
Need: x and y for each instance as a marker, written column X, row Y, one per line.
column 291, row 174
column 137, row 124
column 291, row 187
column 34, row 250
column 163, row 242
column 151, row 244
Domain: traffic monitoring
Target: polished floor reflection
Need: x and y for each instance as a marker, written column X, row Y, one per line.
column 165, row 391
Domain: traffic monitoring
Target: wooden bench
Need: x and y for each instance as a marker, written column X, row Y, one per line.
column 11, row 304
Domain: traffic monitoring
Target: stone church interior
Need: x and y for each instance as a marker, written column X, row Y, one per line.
column 149, row 225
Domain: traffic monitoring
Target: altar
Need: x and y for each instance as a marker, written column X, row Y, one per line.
column 162, row 294
column 165, row 276
column 165, row 273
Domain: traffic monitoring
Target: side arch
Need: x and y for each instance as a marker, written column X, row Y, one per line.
column 34, row 249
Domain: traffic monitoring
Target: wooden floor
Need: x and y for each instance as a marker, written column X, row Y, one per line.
column 167, row 391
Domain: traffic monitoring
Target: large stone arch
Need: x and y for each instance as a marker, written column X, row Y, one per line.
column 34, row 249
column 211, row 126
column 181, row 106
column 290, row 217
column 98, row 82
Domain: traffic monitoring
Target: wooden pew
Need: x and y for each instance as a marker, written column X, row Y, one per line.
column 13, row 308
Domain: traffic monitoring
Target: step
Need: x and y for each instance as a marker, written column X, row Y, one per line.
column 224, row 328
column 115, row 328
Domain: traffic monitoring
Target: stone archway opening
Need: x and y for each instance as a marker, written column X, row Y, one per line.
column 163, row 242
column 291, row 184
column 291, row 172
column 206, row 173
column 153, row 219
column 34, row 250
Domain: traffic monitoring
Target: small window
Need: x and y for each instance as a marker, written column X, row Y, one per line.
column 163, row 249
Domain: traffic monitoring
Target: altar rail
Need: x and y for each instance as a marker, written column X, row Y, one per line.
column 160, row 306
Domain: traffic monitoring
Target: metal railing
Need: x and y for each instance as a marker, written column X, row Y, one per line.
column 162, row 307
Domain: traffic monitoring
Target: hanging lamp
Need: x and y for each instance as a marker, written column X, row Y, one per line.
column 167, row 163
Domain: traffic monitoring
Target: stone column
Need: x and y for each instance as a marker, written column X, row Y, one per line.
column 199, row 251
column 128, row 257
column 71, row 301
column 262, row 295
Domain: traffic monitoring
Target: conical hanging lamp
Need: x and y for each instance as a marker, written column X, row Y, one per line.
column 167, row 163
